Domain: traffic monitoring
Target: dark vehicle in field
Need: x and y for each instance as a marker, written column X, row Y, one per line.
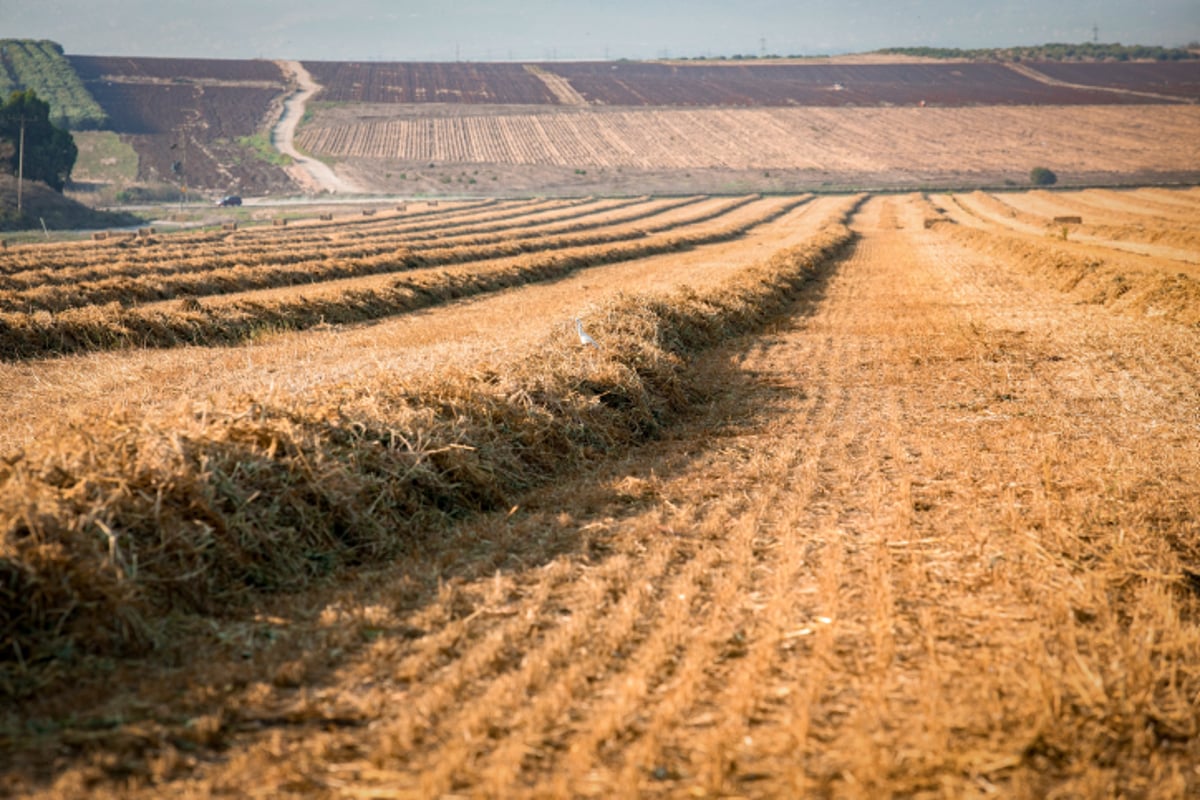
column 230, row 200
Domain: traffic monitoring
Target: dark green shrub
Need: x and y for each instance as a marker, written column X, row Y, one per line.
column 1041, row 176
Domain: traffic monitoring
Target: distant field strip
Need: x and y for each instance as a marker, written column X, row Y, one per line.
column 837, row 139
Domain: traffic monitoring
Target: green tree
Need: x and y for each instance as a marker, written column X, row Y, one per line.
column 1040, row 176
column 50, row 152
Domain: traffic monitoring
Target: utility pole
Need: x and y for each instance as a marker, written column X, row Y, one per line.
column 180, row 167
column 21, row 166
column 1095, row 33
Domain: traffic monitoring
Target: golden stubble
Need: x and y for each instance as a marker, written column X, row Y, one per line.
column 929, row 535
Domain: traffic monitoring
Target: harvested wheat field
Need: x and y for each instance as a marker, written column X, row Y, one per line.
column 621, row 149
column 856, row 497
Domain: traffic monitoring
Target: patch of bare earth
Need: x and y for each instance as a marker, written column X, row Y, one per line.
column 933, row 535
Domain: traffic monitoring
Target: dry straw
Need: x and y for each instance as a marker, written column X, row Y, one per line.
column 1094, row 278
column 55, row 277
column 106, row 534
column 113, row 325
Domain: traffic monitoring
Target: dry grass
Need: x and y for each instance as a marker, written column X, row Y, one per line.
column 932, row 533
column 87, row 317
column 1093, row 269
column 1145, row 291
column 56, row 277
column 873, row 146
column 128, row 518
column 1146, row 226
column 43, row 397
column 1033, row 216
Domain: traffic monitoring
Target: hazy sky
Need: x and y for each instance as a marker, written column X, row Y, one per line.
column 404, row 30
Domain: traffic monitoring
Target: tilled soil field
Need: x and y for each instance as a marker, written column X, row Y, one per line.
column 927, row 528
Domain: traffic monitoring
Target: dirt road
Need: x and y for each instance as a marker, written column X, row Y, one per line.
column 313, row 175
column 1041, row 77
column 924, row 539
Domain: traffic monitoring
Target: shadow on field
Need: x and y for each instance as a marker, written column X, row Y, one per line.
column 218, row 681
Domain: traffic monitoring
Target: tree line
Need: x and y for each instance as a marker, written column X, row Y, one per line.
column 1056, row 51
column 49, row 152
column 41, row 66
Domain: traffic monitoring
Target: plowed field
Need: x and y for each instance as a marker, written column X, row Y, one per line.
column 185, row 117
column 732, row 84
column 907, row 507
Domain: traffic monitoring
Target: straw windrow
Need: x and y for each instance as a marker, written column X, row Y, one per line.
column 1110, row 281
column 210, row 321
column 136, row 518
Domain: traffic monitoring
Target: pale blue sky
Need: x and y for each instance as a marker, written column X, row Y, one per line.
column 477, row 30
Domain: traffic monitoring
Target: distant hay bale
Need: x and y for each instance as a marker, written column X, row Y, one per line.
column 1068, row 220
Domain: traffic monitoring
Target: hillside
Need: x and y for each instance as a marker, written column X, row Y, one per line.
column 42, row 205
column 734, row 84
column 558, row 128
column 42, row 67
column 204, row 127
column 203, row 124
